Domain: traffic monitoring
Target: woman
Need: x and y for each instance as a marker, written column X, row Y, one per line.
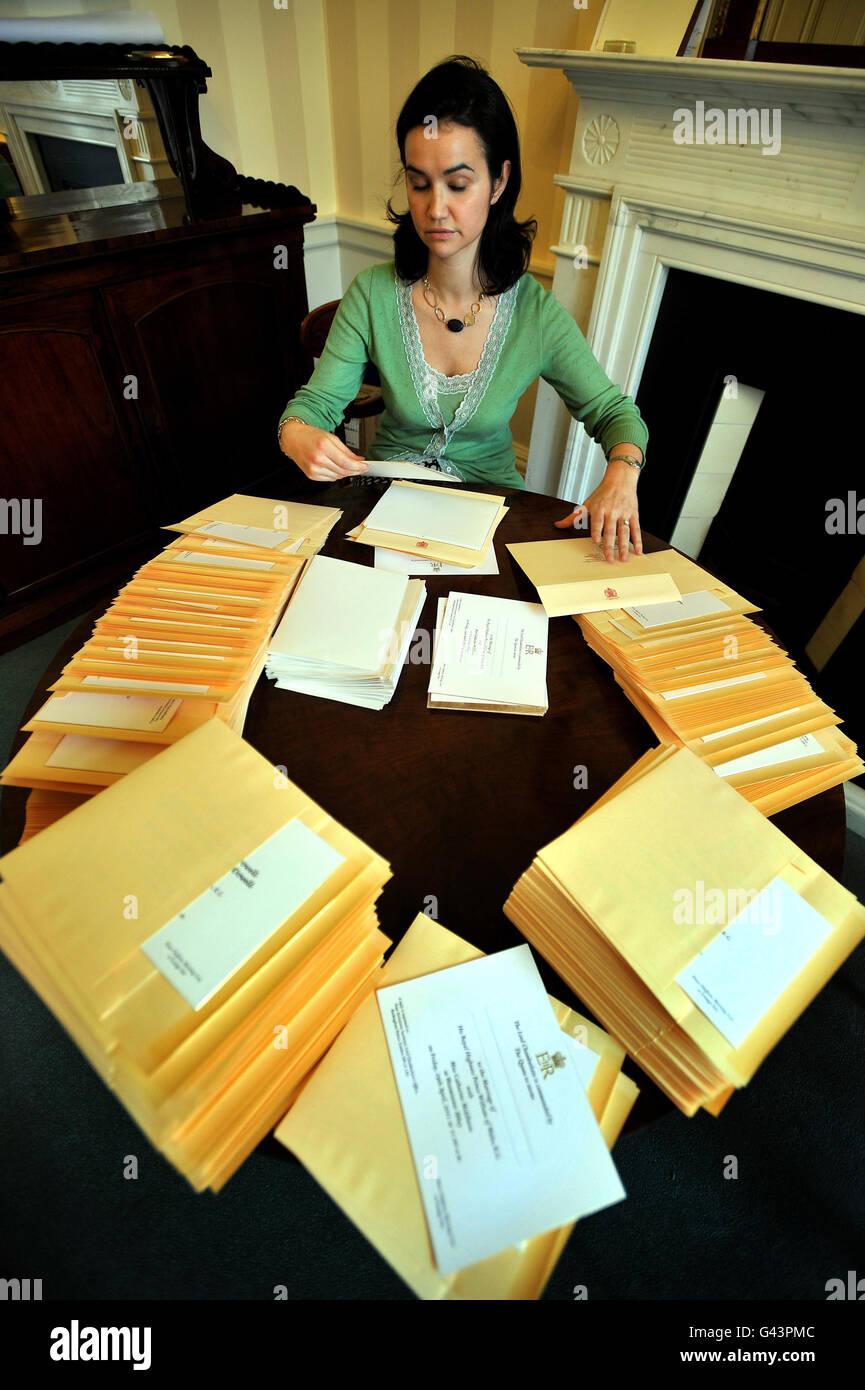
column 456, row 327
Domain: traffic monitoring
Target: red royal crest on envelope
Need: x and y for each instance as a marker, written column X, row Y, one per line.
column 610, row 593
column 421, row 545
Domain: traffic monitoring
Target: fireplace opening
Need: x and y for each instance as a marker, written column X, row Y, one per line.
column 76, row 163
column 788, row 371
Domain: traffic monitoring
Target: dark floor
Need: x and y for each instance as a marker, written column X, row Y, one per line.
column 792, row 1219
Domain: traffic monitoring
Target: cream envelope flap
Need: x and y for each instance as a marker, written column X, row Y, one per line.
column 265, row 513
column 572, row 576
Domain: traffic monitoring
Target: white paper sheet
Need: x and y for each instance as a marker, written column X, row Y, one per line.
column 86, row 754
column 244, row 535
column 184, row 689
column 180, row 595
column 749, row 724
column 737, row 978
column 503, row 1138
column 287, row 550
column 455, row 518
column 138, row 712
column 195, row 557
column 200, row 948
column 791, row 750
column 169, row 620
column 154, row 653
column 712, row 685
column 696, row 605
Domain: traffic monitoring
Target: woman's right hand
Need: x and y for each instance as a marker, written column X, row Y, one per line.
column 321, row 456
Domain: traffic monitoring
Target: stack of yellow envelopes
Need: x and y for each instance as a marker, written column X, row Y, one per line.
column 347, row 1127
column 703, row 674
column 455, row 527
column 203, row 930
column 692, row 928
column 44, row 807
column 180, row 644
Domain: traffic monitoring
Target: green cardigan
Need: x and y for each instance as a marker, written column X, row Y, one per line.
column 461, row 420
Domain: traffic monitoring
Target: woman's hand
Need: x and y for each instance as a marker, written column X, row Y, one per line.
column 321, row 456
column 614, row 513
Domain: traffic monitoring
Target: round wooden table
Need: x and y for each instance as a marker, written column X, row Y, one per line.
column 459, row 803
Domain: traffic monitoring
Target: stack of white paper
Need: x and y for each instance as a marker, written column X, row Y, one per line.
column 454, row 527
column 491, row 654
column 346, row 634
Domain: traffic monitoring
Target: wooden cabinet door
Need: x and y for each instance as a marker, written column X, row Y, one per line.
column 70, row 454
column 215, row 347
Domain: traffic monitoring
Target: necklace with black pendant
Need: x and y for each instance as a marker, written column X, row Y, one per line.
column 455, row 325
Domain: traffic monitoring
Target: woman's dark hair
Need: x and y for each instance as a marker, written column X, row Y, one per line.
column 460, row 90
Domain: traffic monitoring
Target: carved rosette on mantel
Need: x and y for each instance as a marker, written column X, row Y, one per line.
column 601, row 139
column 769, row 190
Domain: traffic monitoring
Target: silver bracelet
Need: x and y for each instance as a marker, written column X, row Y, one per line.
column 289, row 420
column 629, row 459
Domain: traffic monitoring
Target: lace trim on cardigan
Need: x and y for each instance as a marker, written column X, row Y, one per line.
column 428, row 381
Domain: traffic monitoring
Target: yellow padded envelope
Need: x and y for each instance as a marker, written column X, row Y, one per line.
column 297, row 519
column 75, row 762
column 347, row 1128
column 682, row 824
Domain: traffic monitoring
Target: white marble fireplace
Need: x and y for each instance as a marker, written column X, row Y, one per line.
column 114, row 113
column 639, row 200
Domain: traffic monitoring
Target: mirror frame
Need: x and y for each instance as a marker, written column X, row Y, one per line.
column 175, row 78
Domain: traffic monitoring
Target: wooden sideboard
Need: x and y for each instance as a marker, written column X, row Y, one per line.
column 145, row 359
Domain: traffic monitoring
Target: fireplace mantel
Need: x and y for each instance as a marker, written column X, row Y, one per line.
column 637, row 202
column 834, row 94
